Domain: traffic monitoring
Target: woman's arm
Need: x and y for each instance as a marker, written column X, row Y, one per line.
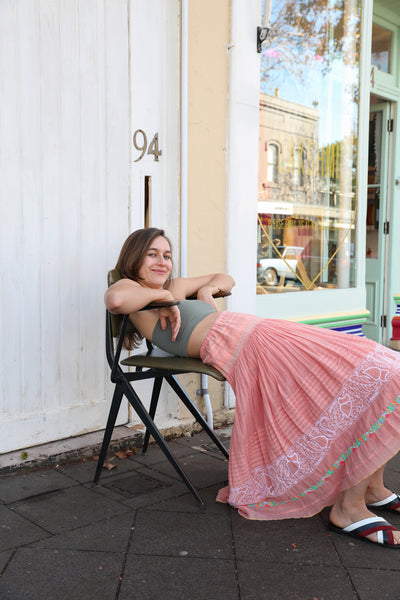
column 127, row 296
column 203, row 287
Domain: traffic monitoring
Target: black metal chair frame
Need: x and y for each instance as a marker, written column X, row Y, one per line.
column 152, row 365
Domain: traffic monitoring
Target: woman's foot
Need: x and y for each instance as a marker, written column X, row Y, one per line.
column 350, row 508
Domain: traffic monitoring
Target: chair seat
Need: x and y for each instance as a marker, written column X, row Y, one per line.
column 157, row 359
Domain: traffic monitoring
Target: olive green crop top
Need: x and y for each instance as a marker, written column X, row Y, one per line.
column 192, row 312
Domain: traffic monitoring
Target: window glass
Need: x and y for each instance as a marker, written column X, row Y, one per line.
column 272, row 162
column 381, row 48
column 374, row 183
column 308, row 146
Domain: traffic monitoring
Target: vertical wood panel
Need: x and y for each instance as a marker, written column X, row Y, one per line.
column 29, row 73
column 10, row 214
column 92, row 182
column 118, row 133
column 70, row 126
column 117, row 129
column 51, row 289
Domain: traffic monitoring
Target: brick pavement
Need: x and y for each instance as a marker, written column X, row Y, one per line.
column 140, row 534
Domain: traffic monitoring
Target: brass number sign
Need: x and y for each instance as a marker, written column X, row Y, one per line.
column 140, row 143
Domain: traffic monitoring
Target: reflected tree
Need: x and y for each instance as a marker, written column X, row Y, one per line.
column 308, row 34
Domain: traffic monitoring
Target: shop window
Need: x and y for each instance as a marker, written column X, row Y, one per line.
column 381, row 48
column 307, row 204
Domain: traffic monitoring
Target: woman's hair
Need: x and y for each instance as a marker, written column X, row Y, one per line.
column 128, row 264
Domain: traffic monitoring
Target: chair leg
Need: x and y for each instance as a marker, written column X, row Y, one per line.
column 137, row 405
column 152, row 410
column 112, row 417
column 178, row 389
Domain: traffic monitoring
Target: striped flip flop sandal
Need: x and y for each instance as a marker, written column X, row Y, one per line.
column 360, row 529
column 392, row 503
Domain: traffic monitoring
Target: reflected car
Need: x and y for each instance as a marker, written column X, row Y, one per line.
column 270, row 270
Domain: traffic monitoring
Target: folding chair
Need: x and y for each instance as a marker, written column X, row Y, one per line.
column 156, row 365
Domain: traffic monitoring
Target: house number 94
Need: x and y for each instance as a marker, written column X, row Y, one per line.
column 140, row 143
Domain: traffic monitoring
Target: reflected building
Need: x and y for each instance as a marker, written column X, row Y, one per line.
column 300, row 212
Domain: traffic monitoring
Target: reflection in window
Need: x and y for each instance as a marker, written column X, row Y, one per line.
column 374, row 183
column 298, row 168
column 381, row 48
column 272, row 162
column 309, row 107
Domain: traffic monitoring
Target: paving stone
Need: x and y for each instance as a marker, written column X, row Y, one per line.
column 303, row 541
column 358, row 553
column 376, row 583
column 13, row 488
column 4, row 558
column 393, row 466
column 392, row 479
column 169, row 534
column 292, row 582
column 110, row 535
column 68, row 509
column 157, row 495
column 84, row 471
column 136, row 483
column 201, row 468
column 16, row 530
column 155, row 455
column 184, row 503
column 183, row 578
column 41, row 574
column 141, row 487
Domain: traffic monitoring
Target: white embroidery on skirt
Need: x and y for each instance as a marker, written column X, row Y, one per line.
column 309, row 450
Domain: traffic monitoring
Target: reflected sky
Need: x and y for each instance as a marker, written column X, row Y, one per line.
column 307, row 60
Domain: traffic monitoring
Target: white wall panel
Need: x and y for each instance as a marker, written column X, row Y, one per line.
column 64, row 204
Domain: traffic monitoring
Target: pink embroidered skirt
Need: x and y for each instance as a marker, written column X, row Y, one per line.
column 317, row 411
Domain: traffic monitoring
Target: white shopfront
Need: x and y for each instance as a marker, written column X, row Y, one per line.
column 89, row 101
column 324, row 172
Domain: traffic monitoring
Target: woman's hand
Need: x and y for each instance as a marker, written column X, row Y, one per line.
column 206, row 292
column 202, row 287
column 172, row 313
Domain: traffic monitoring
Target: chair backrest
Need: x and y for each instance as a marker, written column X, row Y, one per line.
column 115, row 320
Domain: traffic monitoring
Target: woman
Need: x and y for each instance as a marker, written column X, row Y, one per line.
column 317, row 411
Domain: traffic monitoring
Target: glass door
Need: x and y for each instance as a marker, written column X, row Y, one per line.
column 377, row 224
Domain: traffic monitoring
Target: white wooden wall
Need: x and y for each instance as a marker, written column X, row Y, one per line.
column 66, row 205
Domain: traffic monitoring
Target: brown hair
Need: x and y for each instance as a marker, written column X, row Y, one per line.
column 128, row 264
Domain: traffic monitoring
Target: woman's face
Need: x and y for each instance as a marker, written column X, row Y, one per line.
column 157, row 264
